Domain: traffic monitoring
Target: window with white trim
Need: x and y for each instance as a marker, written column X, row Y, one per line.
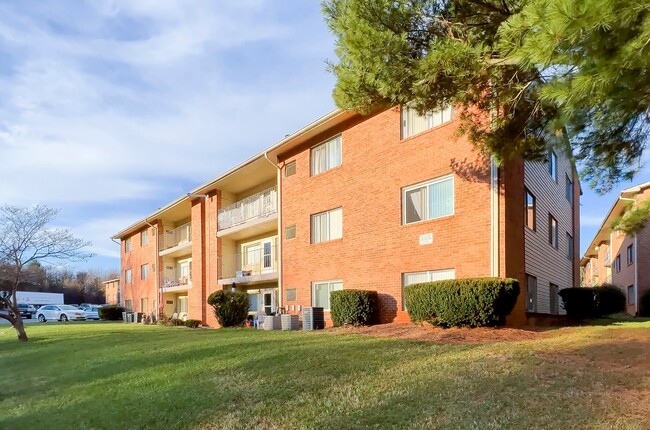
column 144, row 237
column 428, row 200
column 552, row 164
column 144, row 271
column 321, row 293
column 411, row 278
column 326, row 156
column 552, row 231
column 327, row 226
column 127, row 245
column 530, row 210
column 414, row 123
column 630, row 254
column 127, row 276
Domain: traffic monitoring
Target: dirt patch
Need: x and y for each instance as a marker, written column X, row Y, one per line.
column 428, row 333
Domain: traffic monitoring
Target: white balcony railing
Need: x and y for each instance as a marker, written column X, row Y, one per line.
column 259, row 205
column 256, row 260
column 175, row 278
column 177, row 236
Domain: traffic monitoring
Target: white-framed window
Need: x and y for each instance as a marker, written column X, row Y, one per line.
column 290, row 169
column 414, row 123
column 617, row 263
column 143, row 306
column 530, row 210
column 428, row 200
column 326, row 155
column 552, row 231
column 127, row 245
column 552, row 164
column 327, row 226
column 127, row 276
column 321, row 292
column 253, row 302
column 630, row 254
column 144, row 271
column 411, row 278
column 569, row 189
column 144, row 237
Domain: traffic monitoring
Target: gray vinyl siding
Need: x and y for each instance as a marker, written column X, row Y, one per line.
column 547, row 264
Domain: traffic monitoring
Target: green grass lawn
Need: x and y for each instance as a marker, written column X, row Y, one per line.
column 118, row 376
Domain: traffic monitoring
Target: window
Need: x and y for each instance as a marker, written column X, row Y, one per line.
column 428, row 276
column 631, row 297
column 327, row 226
column 326, row 156
column 291, row 295
column 552, row 231
column 253, row 303
column 144, row 237
column 127, row 245
column 617, row 263
column 552, row 165
column 290, row 169
column 144, row 271
column 531, row 293
column 530, row 211
column 569, row 246
column 569, row 189
column 630, row 254
column 428, row 200
column 553, row 291
column 143, row 306
column 414, row 123
column 128, row 305
column 290, row 232
column 127, row 276
column 322, row 292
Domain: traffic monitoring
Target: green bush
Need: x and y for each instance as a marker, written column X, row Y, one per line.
column 175, row 322
column 356, row 307
column 230, row 308
column 470, row 302
column 644, row 304
column 579, row 303
column 111, row 312
column 610, row 299
column 192, row 323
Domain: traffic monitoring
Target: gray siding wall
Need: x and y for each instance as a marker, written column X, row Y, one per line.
column 547, row 264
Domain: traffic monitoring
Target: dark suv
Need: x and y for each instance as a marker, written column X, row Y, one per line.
column 26, row 311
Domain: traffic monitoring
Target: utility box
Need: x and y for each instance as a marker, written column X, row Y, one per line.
column 313, row 319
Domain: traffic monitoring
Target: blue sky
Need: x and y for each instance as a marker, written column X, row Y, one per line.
column 111, row 109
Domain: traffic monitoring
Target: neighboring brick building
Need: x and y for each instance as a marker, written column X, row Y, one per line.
column 612, row 256
column 374, row 202
column 112, row 291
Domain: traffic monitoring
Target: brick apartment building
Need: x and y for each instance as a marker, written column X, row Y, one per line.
column 353, row 202
column 112, row 291
column 613, row 256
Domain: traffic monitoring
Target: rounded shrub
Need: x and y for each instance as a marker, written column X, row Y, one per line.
column 355, row 307
column 579, row 303
column 193, row 323
column 111, row 312
column 644, row 304
column 610, row 299
column 230, row 308
column 470, row 302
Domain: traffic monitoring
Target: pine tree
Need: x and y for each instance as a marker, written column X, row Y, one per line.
column 544, row 66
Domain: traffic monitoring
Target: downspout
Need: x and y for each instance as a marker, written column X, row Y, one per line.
column 121, row 280
column 494, row 218
column 279, row 241
column 636, row 277
column 156, row 280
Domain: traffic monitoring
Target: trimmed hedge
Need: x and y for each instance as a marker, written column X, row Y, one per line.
column 230, row 308
column 192, row 323
column 611, row 299
column 355, row 307
column 644, row 304
column 470, row 302
column 584, row 303
column 111, row 312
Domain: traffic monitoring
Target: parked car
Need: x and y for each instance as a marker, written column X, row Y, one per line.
column 26, row 311
column 60, row 313
column 92, row 312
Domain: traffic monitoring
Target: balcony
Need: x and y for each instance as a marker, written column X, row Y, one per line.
column 257, row 211
column 172, row 280
column 176, row 241
column 258, row 264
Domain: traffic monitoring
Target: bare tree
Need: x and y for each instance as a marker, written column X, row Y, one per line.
column 26, row 238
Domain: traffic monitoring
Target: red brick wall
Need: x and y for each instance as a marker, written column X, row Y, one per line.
column 133, row 260
column 376, row 249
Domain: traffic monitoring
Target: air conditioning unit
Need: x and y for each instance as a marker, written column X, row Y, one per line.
column 242, row 273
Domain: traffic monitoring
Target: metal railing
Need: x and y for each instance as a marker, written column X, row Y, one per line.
column 259, row 205
column 257, row 260
column 174, row 278
column 177, row 236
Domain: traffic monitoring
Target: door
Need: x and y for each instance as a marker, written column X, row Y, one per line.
column 267, row 256
column 268, row 303
column 185, row 273
column 182, row 304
